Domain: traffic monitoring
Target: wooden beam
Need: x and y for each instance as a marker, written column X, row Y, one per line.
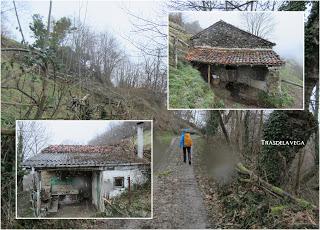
column 8, row 132
column 175, row 54
column 38, row 204
column 292, row 83
column 253, row 178
column 16, row 104
column 129, row 190
column 179, row 40
column 209, row 74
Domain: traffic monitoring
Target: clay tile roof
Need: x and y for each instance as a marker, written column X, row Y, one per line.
column 56, row 156
column 229, row 56
column 77, row 149
column 220, row 23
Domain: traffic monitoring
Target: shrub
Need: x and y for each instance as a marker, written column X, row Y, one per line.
column 276, row 101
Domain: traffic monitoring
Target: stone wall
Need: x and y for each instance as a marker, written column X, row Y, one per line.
column 273, row 81
column 46, row 179
column 66, row 181
column 252, row 76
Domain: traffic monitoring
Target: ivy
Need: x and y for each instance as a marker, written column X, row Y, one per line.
column 293, row 6
column 275, row 160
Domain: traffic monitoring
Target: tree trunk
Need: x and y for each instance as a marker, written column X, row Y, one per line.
column 49, row 19
column 271, row 188
column 246, row 132
column 316, row 114
column 44, row 97
column 224, row 130
column 298, row 172
column 20, row 29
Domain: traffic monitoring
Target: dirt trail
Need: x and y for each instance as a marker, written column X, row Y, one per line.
column 177, row 201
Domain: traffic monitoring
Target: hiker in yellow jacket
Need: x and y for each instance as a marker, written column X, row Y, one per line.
column 186, row 144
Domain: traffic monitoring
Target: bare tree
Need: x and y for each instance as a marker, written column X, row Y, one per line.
column 49, row 18
column 260, row 24
column 35, row 137
column 117, row 132
column 18, row 20
column 211, row 5
column 128, row 74
column 110, row 55
column 196, row 5
column 151, row 34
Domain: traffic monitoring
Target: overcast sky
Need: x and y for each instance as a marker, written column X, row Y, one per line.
column 101, row 16
column 75, row 132
column 288, row 32
column 112, row 16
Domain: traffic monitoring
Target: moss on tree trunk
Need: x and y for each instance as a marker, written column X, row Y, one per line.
column 275, row 160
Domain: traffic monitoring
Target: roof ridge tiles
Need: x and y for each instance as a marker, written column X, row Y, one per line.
column 235, row 48
column 233, row 27
column 79, row 148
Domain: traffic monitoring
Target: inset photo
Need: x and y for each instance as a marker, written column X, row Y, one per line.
column 236, row 60
column 84, row 169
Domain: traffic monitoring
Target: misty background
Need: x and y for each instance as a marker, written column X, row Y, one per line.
column 287, row 33
column 116, row 17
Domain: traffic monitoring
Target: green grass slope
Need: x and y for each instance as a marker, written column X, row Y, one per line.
column 187, row 89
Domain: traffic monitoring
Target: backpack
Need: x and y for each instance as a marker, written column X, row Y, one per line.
column 187, row 140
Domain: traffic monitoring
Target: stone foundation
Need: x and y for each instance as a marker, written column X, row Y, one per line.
column 273, row 81
column 261, row 78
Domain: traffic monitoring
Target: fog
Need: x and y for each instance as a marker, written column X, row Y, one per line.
column 115, row 17
column 288, row 31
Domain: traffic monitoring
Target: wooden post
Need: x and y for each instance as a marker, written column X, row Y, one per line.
column 175, row 55
column 129, row 190
column 38, row 204
column 209, row 74
column 100, row 191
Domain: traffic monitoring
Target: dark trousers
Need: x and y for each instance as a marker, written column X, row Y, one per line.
column 185, row 149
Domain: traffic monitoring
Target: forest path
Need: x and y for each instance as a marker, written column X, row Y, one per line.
column 177, row 200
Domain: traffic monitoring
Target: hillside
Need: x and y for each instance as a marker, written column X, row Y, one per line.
column 29, row 92
column 187, row 89
column 177, row 31
column 293, row 72
column 65, row 97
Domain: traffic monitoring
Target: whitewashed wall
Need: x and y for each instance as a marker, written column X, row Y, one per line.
column 94, row 189
column 109, row 190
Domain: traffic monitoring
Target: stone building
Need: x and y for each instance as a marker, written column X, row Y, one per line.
column 71, row 174
column 224, row 53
